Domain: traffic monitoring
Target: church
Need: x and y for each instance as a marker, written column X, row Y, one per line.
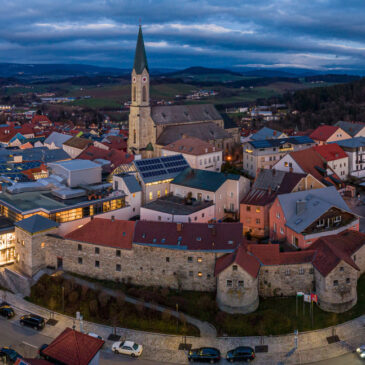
column 151, row 127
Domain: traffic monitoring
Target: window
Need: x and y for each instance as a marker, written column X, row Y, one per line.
column 200, row 274
column 335, row 282
column 117, row 253
column 97, row 250
column 166, row 192
column 337, row 219
column 43, row 245
column 200, row 259
column 159, row 218
column 287, row 272
column 229, row 283
column 134, row 93
column 79, row 247
column 79, row 260
column 134, row 136
column 118, row 267
column 341, row 268
column 144, row 93
column 208, row 276
column 97, row 263
column 286, row 164
column 320, row 223
column 354, row 257
column 258, row 209
column 348, row 280
column 248, row 208
column 234, row 267
column 278, row 215
column 257, row 221
column 274, row 227
column 158, row 194
column 311, row 271
column 190, row 259
column 240, row 283
column 191, row 273
column 151, row 195
column 301, row 271
column 167, row 259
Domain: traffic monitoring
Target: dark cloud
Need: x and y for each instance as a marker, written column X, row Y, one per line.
column 319, row 34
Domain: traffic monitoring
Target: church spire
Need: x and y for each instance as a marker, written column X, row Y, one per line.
column 140, row 58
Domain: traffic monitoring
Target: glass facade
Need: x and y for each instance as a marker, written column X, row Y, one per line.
column 7, row 248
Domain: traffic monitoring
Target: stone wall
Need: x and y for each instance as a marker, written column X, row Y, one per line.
column 237, row 291
column 337, row 291
column 143, row 265
column 285, row 280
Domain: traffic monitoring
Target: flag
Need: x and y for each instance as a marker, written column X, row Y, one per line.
column 314, row 298
column 307, row 298
column 300, row 294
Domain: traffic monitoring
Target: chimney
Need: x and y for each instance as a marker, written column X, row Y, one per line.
column 178, row 227
column 301, row 206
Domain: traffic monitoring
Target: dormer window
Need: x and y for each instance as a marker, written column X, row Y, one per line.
column 234, row 268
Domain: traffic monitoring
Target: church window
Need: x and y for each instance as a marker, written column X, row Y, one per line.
column 144, row 93
column 134, row 93
column 134, row 136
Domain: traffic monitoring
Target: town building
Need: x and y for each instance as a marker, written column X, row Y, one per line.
column 264, row 154
column 255, row 205
column 199, row 154
column 336, row 159
column 355, row 150
column 267, row 133
column 153, row 127
column 302, row 217
column 75, row 145
column 328, row 133
column 224, row 190
column 354, row 129
column 56, row 140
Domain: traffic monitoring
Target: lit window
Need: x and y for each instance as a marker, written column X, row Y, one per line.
column 134, row 195
column 200, row 274
column 151, row 195
column 200, row 259
column 43, row 245
column 158, row 194
column 258, row 209
column 166, row 192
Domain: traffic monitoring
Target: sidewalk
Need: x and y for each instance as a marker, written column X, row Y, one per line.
column 312, row 346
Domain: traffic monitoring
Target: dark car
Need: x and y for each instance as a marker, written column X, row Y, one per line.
column 32, row 320
column 40, row 351
column 242, row 353
column 7, row 311
column 9, row 356
column 204, row 354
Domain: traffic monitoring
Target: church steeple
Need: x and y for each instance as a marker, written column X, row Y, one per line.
column 140, row 58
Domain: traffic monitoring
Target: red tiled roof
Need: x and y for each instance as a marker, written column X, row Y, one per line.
column 105, row 232
column 191, row 146
column 240, row 257
column 330, row 152
column 116, row 142
column 40, row 119
column 308, row 159
column 323, row 132
column 73, row 348
column 333, row 249
column 190, row 236
column 116, row 157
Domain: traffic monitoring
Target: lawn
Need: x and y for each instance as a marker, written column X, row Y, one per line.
column 275, row 316
column 98, row 307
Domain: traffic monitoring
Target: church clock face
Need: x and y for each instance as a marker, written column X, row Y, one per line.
column 144, row 79
column 134, row 79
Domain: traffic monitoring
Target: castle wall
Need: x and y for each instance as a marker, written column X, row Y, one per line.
column 237, row 291
column 285, row 280
column 337, row 291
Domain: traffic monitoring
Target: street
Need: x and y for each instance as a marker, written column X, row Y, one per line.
column 27, row 341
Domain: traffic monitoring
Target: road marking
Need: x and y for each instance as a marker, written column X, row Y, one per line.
column 28, row 344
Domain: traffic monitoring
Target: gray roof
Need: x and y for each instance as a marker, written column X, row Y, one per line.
column 280, row 181
column 318, row 202
column 34, row 154
column 350, row 128
column 131, row 182
column 176, row 114
column 205, row 131
column 266, row 133
column 352, row 142
column 57, row 138
column 176, row 205
column 36, row 223
column 75, row 165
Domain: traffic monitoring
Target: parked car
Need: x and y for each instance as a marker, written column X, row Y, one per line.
column 9, row 355
column 7, row 311
column 361, row 351
column 32, row 320
column 127, row 348
column 92, row 334
column 204, row 354
column 241, row 353
column 40, row 351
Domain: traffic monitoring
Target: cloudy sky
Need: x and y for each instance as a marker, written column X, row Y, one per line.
column 313, row 34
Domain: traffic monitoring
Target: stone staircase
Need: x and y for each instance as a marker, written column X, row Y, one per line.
column 14, row 281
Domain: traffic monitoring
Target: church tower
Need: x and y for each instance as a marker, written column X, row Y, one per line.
column 141, row 128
